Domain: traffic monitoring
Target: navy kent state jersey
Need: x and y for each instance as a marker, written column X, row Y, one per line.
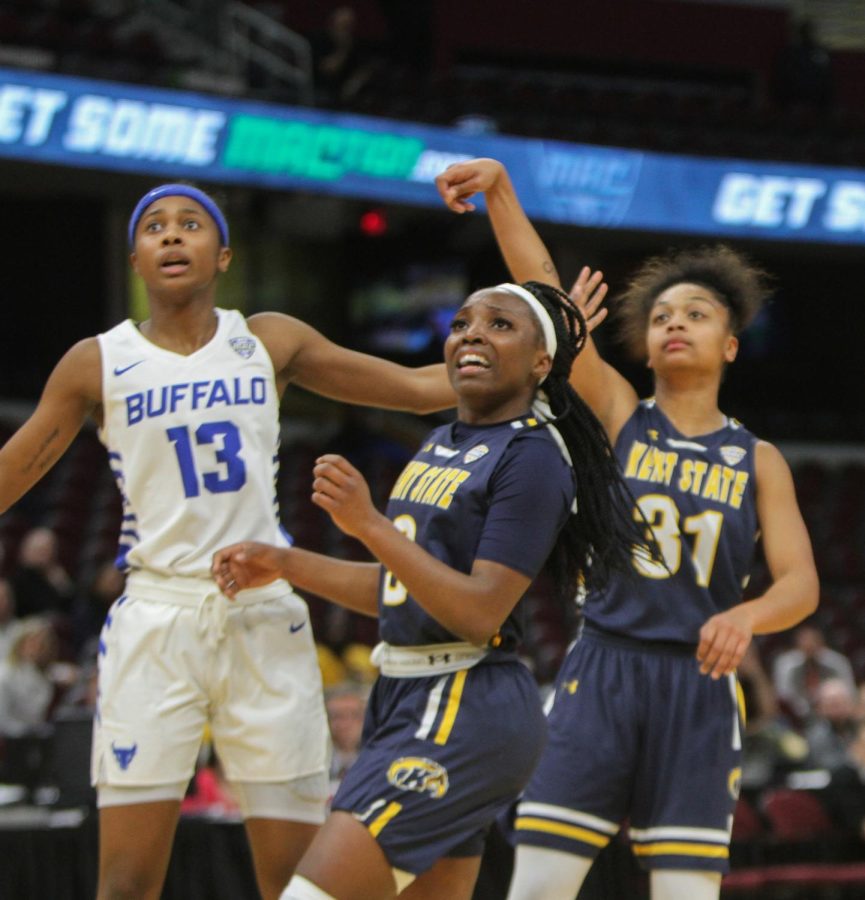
column 497, row 492
column 699, row 496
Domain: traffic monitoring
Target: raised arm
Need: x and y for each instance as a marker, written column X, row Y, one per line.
column 795, row 589
column 303, row 356
column 73, row 391
column 610, row 396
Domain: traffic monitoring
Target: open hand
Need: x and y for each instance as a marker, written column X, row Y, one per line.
column 588, row 294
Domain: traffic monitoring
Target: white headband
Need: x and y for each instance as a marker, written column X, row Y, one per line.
column 547, row 327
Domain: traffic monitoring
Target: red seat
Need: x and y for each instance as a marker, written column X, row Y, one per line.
column 795, row 815
column 747, row 824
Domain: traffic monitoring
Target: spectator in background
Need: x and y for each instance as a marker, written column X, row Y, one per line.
column 844, row 797
column 7, row 617
column 92, row 604
column 410, row 29
column 82, row 695
column 41, row 583
column 770, row 745
column 27, row 690
column 346, row 705
column 342, row 65
column 799, row 672
column 358, row 662
column 833, row 727
column 804, row 71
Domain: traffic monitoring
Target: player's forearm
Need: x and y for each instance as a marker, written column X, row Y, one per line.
column 790, row 599
column 26, row 457
column 523, row 250
column 432, row 390
column 457, row 601
column 353, row 585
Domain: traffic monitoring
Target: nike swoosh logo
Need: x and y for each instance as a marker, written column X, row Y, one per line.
column 294, row 628
column 119, row 370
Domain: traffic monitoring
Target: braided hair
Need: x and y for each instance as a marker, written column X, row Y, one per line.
column 602, row 536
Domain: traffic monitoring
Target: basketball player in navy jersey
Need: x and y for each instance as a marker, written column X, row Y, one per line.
column 646, row 723
column 454, row 725
column 188, row 407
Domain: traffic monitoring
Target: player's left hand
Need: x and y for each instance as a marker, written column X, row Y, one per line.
column 340, row 490
column 723, row 641
column 588, row 293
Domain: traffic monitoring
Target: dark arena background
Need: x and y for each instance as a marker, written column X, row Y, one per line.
column 629, row 126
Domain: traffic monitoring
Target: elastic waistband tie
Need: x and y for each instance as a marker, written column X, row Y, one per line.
column 211, row 616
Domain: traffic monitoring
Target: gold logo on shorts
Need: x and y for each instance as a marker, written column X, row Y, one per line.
column 415, row 773
column 734, row 782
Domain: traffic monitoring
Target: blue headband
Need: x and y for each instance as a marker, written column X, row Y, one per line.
column 178, row 190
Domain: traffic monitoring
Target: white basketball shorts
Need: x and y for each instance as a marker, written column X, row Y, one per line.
column 176, row 655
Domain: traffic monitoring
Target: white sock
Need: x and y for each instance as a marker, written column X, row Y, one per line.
column 301, row 889
column 681, row 884
column 543, row 874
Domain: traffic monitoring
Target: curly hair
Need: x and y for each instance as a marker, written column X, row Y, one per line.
column 737, row 283
column 601, row 537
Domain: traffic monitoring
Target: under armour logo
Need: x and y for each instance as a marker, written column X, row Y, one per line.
column 439, row 657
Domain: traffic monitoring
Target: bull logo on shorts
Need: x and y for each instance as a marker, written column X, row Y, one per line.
column 415, row 773
column 124, row 755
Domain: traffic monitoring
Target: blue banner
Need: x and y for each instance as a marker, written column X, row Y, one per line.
column 173, row 134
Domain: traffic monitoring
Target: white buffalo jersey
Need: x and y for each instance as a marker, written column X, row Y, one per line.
column 193, row 444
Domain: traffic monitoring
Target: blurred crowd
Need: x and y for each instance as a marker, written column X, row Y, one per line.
column 805, row 727
column 805, row 723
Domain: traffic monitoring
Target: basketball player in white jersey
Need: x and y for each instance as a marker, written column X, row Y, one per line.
column 188, row 407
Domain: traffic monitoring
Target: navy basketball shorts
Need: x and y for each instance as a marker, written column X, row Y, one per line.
column 442, row 756
column 636, row 733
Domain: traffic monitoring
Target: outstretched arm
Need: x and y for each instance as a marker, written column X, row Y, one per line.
column 73, row 391
column 795, row 588
column 609, row 395
column 303, row 356
column 353, row 585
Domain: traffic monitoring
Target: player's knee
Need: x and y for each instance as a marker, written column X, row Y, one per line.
column 685, row 884
column 544, row 874
column 124, row 883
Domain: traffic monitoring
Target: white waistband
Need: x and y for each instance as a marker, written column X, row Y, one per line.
column 429, row 659
column 184, row 591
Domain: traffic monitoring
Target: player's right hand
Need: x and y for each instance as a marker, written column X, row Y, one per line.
column 246, row 565
column 462, row 181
